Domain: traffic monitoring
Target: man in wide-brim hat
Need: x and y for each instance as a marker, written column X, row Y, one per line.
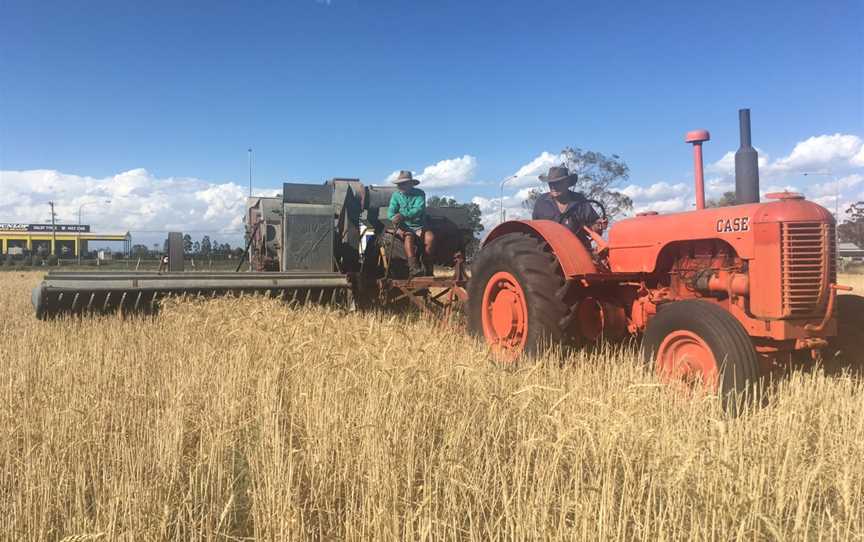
column 407, row 211
column 567, row 207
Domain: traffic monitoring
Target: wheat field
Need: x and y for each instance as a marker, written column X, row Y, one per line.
column 249, row 420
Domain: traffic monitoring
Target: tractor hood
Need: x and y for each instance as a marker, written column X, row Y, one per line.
column 636, row 243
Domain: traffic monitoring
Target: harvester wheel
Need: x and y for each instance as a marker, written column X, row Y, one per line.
column 515, row 296
column 699, row 343
column 848, row 346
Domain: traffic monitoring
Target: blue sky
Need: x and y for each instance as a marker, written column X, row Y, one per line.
column 349, row 88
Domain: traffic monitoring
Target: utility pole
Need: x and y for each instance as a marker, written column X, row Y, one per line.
column 80, row 207
column 53, row 228
column 250, row 172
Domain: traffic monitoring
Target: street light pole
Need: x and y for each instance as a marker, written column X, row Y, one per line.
column 80, row 207
column 250, row 172
column 501, row 196
column 53, row 228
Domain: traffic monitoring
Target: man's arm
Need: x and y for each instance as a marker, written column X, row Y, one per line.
column 589, row 215
column 592, row 219
column 393, row 208
column 534, row 214
column 542, row 211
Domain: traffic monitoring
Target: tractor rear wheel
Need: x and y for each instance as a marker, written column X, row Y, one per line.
column 848, row 345
column 700, row 343
column 515, row 296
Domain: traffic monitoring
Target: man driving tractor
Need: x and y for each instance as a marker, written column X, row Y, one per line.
column 567, row 207
column 407, row 211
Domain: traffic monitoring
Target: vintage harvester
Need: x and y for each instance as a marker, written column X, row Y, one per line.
column 719, row 295
column 327, row 243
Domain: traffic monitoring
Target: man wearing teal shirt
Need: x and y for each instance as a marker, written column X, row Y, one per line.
column 407, row 211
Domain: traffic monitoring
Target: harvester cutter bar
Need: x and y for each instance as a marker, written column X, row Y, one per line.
column 74, row 293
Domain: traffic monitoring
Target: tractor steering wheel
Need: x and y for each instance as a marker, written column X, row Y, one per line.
column 593, row 202
column 603, row 215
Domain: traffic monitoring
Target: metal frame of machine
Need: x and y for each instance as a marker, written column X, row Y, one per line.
column 719, row 295
column 303, row 246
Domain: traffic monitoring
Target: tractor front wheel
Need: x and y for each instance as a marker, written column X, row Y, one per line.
column 515, row 296
column 700, row 343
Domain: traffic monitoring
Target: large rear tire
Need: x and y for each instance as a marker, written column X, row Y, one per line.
column 700, row 343
column 515, row 296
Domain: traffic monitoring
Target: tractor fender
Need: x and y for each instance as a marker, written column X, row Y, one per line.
column 571, row 254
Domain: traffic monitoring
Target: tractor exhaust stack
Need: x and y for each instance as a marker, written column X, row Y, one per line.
column 746, row 164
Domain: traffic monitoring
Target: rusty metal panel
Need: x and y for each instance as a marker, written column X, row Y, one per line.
column 271, row 210
column 308, row 237
column 378, row 196
column 175, row 252
column 457, row 215
column 314, row 194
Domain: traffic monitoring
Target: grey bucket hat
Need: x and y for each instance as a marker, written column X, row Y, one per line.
column 405, row 176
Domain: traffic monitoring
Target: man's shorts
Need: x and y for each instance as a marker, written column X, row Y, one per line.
column 418, row 231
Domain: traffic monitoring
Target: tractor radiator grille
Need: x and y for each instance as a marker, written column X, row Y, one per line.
column 809, row 267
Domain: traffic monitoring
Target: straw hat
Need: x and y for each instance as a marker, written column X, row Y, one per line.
column 559, row 173
column 405, row 177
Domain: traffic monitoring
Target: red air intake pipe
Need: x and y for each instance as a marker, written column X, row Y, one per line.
column 696, row 137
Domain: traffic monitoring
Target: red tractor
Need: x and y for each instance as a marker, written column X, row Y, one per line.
column 718, row 295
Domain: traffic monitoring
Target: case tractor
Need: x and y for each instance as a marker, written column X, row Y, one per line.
column 718, row 295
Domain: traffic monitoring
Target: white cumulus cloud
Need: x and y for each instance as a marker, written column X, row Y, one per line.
column 490, row 209
column 837, row 153
column 528, row 174
column 654, row 192
column 726, row 165
column 832, row 164
column 446, row 173
column 661, row 197
column 523, row 181
column 858, row 159
column 134, row 200
column 821, row 151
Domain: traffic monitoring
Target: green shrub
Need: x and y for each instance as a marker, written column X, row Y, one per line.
column 52, row 260
column 36, row 261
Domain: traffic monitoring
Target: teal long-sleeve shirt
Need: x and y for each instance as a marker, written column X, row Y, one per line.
column 411, row 205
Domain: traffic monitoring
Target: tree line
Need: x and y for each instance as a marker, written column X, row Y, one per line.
column 203, row 248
